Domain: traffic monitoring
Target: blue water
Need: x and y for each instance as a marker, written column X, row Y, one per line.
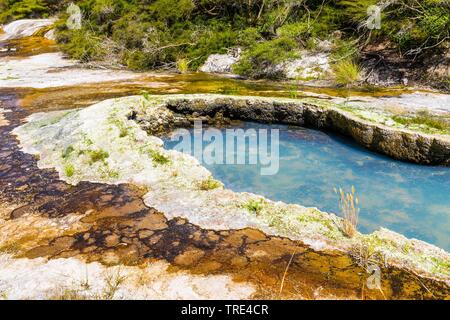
column 411, row 199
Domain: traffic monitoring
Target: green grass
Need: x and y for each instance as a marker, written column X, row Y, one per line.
column 158, row 158
column 69, row 170
column 254, row 206
column 424, row 118
column 97, row 155
column 346, row 72
column 146, row 95
column 209, row 184
column 183, row 65
column 67, row 152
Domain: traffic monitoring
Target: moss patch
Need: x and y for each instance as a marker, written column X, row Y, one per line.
column 158, row 158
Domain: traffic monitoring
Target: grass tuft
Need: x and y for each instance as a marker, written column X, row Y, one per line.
column 69, row 170
column 159, row 158
column 348, row 204
column 209, row 184
column 97, row 155
column 182, row 65
column 346, row 72
column 255, row 206
column 66, row 153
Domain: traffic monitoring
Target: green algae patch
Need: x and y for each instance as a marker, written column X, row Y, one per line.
column 69, row 170
column 420, row 121
column 209, row 184
column 409, row 253
column 158, row 158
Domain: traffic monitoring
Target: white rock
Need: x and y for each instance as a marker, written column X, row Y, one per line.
column 50, row 35
column 324, row 45
column 52, row 70
column 309, row 66
column 221, row 63
column 24, row 28
column 44, row 279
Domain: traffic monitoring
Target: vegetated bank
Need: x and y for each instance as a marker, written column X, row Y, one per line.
column 411, row 45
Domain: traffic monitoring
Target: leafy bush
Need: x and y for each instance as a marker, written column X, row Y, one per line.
column 158, row 33
column 418, row 26
column 217, row 40
column 14, row 10
column 297, row 30
column 82, row 45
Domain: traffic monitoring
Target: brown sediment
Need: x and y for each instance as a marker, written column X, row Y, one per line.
column 112, row 225
column 28, row 46
column 69, row 97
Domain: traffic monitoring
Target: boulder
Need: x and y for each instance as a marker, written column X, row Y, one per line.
column 24, row 28
column 50, row 35
column 310, row 66
column 221, row 63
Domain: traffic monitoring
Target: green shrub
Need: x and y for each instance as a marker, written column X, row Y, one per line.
column 418, row 26
column 138, row 60
column 82, row 45
column 13, row 10
column 297, row 30
column 355, row 10
column 261, row 60
column 249, row 37
column 157, row 33
column 171, row 10
column 218, row 40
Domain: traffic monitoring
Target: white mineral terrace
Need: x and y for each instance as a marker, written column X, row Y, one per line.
column 73, row 278
column 24, row 28
column 52, row 70
column 173, row 189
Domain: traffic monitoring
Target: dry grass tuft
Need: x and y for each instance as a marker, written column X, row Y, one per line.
column 348, row 204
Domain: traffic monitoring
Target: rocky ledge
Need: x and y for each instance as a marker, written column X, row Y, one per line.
column 377, row 133
column 116, row 142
